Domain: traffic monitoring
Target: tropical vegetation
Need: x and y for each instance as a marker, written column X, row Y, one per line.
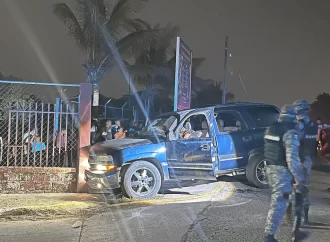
column 111, row 35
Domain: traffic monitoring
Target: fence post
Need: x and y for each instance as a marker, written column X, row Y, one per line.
column 105, row 108
column 85, row 116
column 57, row 111
column 122, row 110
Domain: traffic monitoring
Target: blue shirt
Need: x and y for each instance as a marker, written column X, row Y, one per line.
column 38, row 146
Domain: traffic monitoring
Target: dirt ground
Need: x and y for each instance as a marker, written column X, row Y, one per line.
column 48, row 206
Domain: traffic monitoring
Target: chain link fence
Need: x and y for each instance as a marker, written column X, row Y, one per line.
column 118, row 113
column 38, row 124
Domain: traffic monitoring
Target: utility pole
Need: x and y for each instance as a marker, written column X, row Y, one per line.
column 224, row 89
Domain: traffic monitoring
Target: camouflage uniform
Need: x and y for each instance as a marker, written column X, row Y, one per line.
column 307, row 154
column 283, row 166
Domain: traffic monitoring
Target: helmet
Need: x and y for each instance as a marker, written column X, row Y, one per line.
column 301, row 106
column 287, row 113
column 288, row 110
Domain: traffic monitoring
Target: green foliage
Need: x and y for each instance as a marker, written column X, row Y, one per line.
column 102, row 28
column 320, row 108
column 107, row 30
column 13, row 95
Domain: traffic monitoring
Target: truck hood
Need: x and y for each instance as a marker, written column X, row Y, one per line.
column 110, row 146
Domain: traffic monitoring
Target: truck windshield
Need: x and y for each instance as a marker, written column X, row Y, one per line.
column 159, row 126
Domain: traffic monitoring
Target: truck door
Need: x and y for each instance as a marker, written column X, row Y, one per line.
column 235, row 140
column 191, row 154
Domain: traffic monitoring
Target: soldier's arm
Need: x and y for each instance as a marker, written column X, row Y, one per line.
column 291, row 142
column 300, row 128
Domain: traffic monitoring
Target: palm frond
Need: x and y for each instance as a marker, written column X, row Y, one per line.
column 93, row 15
column 137, row 42
column 84, row 9
column 143, row 23
column 65, row 14
column 146, row 72
column 164, row 44
column 123, row 10
column 133, row 25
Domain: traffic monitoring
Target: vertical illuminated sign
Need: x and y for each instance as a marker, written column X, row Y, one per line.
column 182, row 89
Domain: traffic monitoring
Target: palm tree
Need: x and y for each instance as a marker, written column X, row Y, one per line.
column 154, row 69
column 105, row 31
column 211, row 95
column 150, row 67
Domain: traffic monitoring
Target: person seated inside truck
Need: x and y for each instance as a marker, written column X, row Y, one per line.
column 186, row 127
column 188, row 133
column 228, row 123
column 205, row 129
column 233, row 128
column 237, row 127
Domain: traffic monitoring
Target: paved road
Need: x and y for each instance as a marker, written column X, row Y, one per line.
column 239, row 218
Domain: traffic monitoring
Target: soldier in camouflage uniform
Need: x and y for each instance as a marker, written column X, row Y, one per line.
column 308, row 153
column 281, row 152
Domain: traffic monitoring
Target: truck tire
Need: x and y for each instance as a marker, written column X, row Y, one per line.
column 256, row 170
column 140, row 180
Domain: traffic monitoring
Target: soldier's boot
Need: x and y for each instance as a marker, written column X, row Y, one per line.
column 297, row 235
column 270, row 238
column 306, row 221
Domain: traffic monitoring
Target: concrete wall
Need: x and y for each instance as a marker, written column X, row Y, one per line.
column 37, row 179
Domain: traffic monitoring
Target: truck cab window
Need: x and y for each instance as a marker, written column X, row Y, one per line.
column 229, row 122
column 263, row 116
column 194, row 127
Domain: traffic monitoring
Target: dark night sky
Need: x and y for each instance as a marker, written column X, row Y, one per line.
column 277, row 46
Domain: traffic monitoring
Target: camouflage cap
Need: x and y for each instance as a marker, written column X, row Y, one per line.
column 288, row 110
column 301, row 106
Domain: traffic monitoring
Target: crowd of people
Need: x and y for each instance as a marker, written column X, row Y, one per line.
column 57, row 147
column 107, row 130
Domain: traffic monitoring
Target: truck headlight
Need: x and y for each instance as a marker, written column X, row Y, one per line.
column 104, row 167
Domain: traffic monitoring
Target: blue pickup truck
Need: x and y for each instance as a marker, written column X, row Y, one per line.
column 202, row 143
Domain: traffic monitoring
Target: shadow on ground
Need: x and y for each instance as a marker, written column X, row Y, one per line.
column 238, row 178
column 322, row 168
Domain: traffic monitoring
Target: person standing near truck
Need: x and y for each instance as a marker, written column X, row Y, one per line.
column 281, row 151
column 107, row 131
column 307, row 152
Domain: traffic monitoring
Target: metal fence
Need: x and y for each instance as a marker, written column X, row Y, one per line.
column 132, row 114
column 38, row 124
column 118, row 113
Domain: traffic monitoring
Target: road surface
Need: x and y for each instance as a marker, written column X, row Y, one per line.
column 239, row 217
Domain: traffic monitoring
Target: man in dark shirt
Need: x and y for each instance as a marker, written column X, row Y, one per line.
column 107, row 132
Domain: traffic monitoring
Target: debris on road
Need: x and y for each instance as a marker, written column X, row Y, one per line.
column 76, row 225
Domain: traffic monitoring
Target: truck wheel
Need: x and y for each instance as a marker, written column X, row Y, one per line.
column 256, row 172
column 141, row 179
